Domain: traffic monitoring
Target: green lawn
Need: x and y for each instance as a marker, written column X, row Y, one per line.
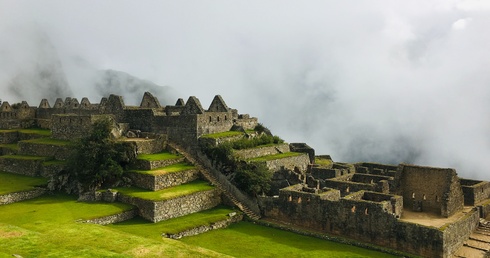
column 222, row 135
column 25, row 157
column 275, row 156
column 141, row 227
column 168, row 193
column 12, row 146
column 50, row 141
column 11, row 183
column 246, row 239
column 323, row 162
column 43, row 132
column 158, row 156
column 182, row 166
column 46, row 227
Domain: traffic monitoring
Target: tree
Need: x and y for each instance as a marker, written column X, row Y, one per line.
column 253, row 178
column 98, row 161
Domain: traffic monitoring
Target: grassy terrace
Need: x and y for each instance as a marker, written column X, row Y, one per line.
column 11, row 183
column 141, row 227
column 323, row 162
column 47, row 227
column 50, row 141
column 222, row 135
column 182, row 166
column 43, row 132
column 158, row 156
column 12, row 146
column 39, row 131
column 259, row 241
column 275, row 156
column 25, row 157
column 168, row 193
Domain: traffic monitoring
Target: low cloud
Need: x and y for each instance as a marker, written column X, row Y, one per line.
column 381, row 81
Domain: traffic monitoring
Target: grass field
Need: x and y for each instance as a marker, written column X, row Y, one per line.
column 141, row 227
column 168, row 193
column 222, row 135
column 158, row 156
column 11, row 183
column 246, row 239
column 46, row 227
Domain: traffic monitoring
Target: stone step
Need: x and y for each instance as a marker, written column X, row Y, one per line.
column 171, row 202
column 157, row 160
column 164, row 177
column 478, row 245
column 469, row 252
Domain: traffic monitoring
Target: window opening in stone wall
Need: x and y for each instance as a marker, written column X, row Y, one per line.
column 226, row 118
column 217, row 119
column 353, row 209
column 210, row 119
column 290, row 198
column 413, row 195
column 299, row 199
column 347, row 190
column 437, row 198
column 366, row 211
column 424, row 197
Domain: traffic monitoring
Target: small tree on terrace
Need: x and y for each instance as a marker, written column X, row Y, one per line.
column 98, row 161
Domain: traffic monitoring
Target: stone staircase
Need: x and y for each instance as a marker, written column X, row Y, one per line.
column 215, row 181
column 478, row 244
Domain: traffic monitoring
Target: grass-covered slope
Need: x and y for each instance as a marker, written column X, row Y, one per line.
column 47, row 227
column 11, row 183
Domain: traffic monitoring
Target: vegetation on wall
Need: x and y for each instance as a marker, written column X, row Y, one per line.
column 98, row 161
column 251, row 178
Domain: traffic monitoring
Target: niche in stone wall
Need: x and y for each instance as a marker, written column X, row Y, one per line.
column 353, row 209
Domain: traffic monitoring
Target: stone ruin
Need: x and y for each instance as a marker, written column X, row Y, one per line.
column 369, row 202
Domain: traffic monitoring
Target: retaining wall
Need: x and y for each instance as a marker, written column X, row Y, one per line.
column 21, row 196
column 205, row 228
column 158, row 182
column 111, row 219
column 261, row 151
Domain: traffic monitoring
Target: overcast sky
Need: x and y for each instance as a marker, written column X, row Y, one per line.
column 383, row 81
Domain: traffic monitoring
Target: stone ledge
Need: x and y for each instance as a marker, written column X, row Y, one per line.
column 111, row 219
column 205, row 228
column 21, row 196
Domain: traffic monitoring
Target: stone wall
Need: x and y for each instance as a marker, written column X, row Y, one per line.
column 455, row 234
column 430, row 189
column 162, row 210
column 7, row 137
column 365, row 216
column 111, row 219
column 475, row 191
column 21, row 196
column 261, row 151
column 48, row 150
column 27, row 167
column 301, row 162
column 205, row 228
column 149, row 165
column 158, row 182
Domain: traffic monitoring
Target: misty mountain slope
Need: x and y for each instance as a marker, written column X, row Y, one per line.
column 130, row 87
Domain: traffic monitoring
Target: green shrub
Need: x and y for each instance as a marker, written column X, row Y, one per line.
column 98, row 161
column 253, row 178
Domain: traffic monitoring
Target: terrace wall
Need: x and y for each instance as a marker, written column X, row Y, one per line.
column 28, row 167
column 162, row 210
column 21, row 196
column 46, row 150
column 262, row 151
column 158, row 182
